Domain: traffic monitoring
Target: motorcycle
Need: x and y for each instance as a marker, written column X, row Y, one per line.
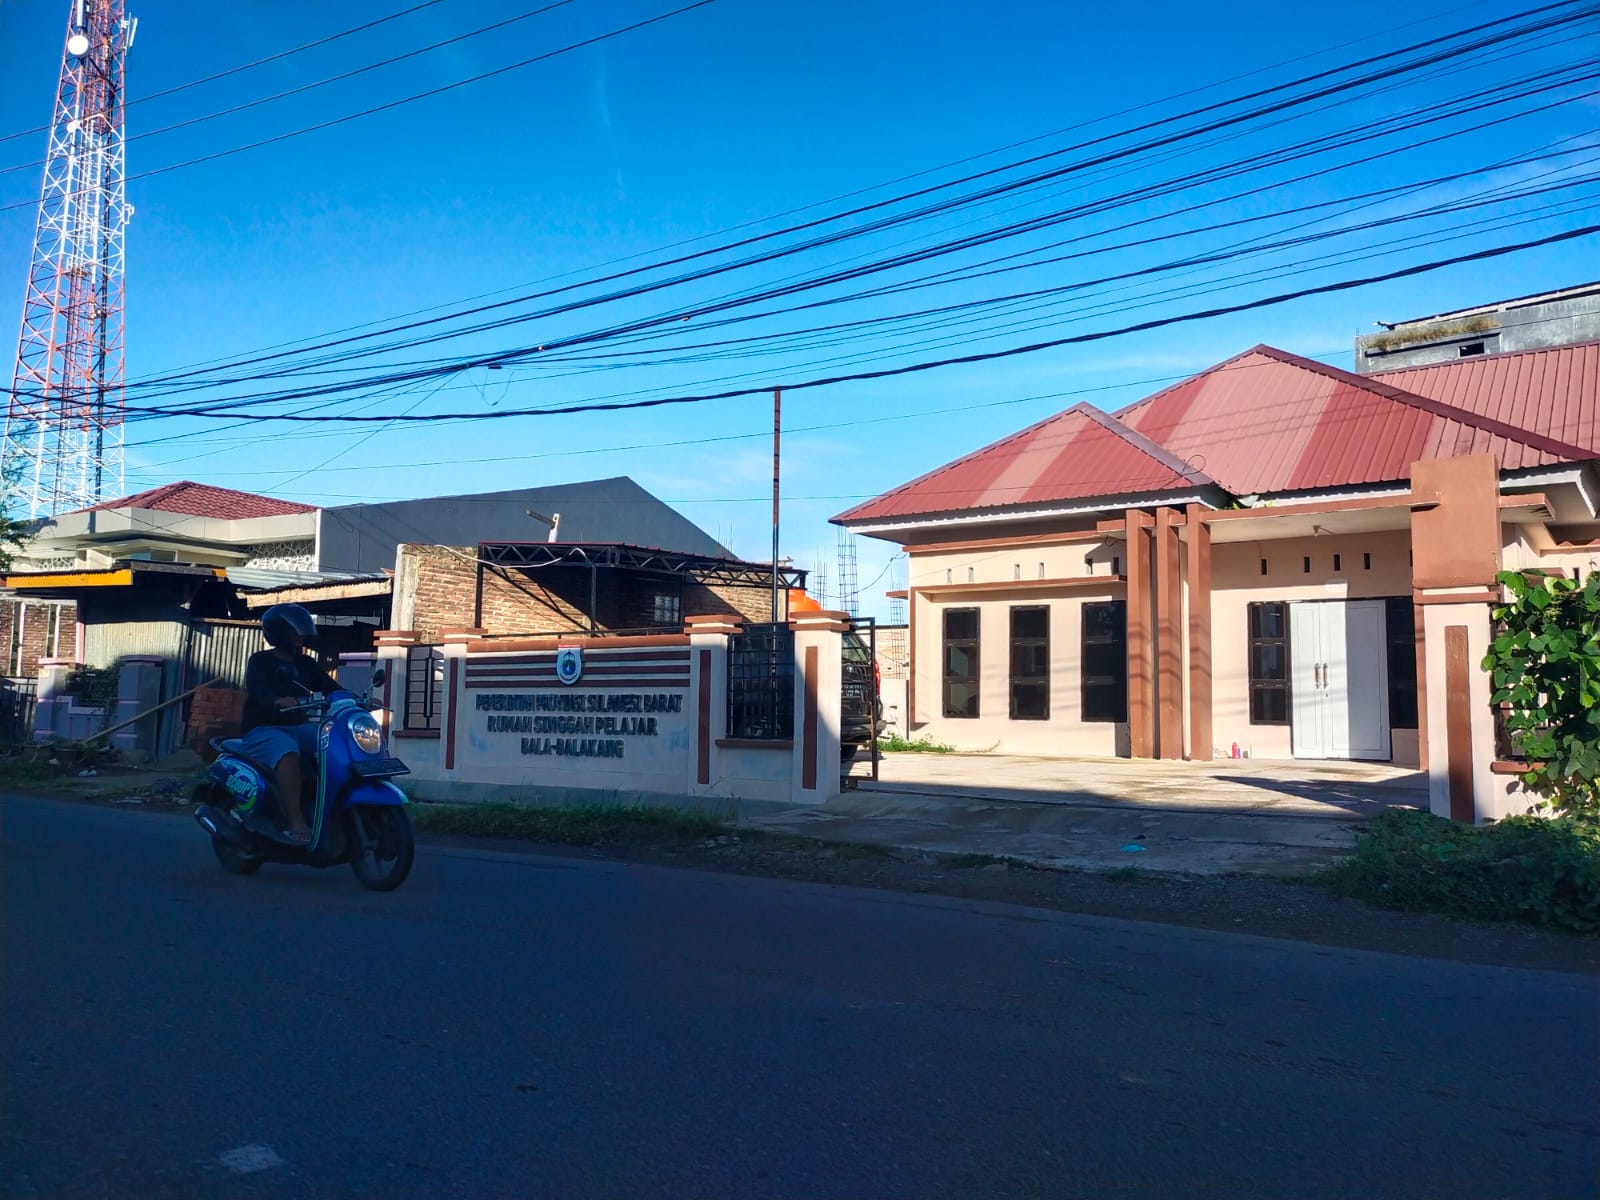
column 359, row 816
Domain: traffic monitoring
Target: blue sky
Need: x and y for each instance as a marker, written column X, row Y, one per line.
column 720, row 118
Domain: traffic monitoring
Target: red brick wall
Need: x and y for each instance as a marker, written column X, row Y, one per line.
column 214, row 712
column 547, row 600
column 36, row 622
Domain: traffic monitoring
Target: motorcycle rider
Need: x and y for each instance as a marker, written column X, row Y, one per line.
column 276, row 680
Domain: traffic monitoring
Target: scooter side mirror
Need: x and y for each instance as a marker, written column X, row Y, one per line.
column 378, row 677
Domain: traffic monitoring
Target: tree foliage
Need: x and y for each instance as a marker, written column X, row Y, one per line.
column 1545, row 662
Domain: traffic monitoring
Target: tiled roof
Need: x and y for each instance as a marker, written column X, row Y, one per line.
column 1269, row 422
column 203, row 500
column 1555, row 392
column 1074, row 455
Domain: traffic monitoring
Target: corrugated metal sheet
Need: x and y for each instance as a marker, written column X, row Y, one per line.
column 1077, row 454
column 1268, row 422
column 220, row 650
column 265, row 579
column 1555, row 392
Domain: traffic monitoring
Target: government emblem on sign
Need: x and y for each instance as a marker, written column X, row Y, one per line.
column 569, row 664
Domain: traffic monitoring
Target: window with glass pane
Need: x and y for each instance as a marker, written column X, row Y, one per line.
column 961, row 662
column 1030, row 663
column 1402, row 663
column 1105, row 661
column 1269, row 664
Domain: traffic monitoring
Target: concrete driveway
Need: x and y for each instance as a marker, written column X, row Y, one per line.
column 1108, row 814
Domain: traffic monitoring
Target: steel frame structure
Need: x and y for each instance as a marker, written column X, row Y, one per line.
column 64, row 418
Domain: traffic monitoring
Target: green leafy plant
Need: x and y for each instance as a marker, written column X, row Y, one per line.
column 94, row 687
column 12, row 530
column 922, row 745
column 1541, row 870
column 1545, row 665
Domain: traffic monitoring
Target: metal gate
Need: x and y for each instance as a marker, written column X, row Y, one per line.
column 861, row 705
column 18, row 697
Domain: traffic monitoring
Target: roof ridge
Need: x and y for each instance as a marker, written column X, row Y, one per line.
column 1146, row 445
column 1437, row 408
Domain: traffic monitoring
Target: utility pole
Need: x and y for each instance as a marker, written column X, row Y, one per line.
column 777, row 434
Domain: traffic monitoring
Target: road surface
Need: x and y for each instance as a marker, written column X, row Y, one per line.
column 524, row 1025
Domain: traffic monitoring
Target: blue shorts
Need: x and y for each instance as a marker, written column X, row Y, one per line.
column 265, row 745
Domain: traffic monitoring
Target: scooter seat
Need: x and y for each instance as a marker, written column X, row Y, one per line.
column 228, row 746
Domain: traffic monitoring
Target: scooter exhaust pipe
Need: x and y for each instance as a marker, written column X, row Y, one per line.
column 214, row 822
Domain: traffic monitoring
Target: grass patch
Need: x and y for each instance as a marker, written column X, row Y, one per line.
column 1124, row 875
column 963, row 862
column 922, row 745
column 588, row 825
column 1543, row 871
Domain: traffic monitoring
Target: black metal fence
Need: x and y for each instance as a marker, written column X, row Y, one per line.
column 761, row 683
column 18, row 699
column 424, row 687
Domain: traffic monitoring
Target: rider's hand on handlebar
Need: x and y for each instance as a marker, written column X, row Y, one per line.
column 288, row 702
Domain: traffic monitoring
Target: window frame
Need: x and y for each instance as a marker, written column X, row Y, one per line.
column 1030, row 642
column 1091, row 711
column 1262, row 684
column 974, row 645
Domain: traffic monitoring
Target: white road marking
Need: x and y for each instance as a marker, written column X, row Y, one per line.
column 242, row 1160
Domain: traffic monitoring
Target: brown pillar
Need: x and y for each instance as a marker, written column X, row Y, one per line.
column 1199, row 548
column 1169, row 646
column 1141, row 661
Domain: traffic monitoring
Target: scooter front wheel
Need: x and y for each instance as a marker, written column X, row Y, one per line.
column 383, row 846
column 234, row 860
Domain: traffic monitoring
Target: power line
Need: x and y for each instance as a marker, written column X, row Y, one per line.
column 1395, row 69
column 411, row 99
column 317, row 83
column 966, row 359
column 249, row 66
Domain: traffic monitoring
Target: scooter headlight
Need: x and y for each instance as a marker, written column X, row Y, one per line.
column 364, row 729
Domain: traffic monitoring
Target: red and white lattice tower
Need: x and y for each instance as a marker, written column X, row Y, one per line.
column 63, row 431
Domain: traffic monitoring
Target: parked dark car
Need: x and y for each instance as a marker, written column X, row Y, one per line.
column 861, row 713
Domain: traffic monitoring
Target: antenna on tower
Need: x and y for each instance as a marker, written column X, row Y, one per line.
column 64, row 414
column 849, row 592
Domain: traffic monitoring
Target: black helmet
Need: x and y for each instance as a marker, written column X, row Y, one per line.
column 286, row 624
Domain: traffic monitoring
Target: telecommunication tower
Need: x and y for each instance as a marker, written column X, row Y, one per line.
column 63, row 430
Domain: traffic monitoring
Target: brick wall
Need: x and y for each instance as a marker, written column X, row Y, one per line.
column 435, row 589
column 214, row 712
column 35, row 629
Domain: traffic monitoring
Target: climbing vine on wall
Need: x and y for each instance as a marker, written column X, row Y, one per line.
column 1545, row 662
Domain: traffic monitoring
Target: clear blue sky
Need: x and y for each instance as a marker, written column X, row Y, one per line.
column 722, row 116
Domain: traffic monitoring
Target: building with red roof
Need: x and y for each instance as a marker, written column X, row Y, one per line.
column 1266, row 559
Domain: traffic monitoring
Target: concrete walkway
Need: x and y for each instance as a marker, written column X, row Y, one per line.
column 1105, row 814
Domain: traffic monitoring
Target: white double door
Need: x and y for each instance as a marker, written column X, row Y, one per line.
column 1340, row 675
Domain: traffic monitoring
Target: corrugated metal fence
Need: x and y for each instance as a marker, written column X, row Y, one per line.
column 191, row 655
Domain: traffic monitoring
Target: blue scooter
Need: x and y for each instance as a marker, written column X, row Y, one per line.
column 359, row 815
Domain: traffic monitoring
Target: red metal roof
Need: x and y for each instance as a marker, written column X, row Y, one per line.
column 203, row 500
column 1074, row 455
column 1268, row 422
column 1555, row 392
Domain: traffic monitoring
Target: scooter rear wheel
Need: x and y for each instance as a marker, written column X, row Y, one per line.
column 383, row 863
column 234, row 860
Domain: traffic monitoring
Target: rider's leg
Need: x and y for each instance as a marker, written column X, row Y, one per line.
column 288, row 773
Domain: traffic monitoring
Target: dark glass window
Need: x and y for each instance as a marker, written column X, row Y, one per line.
column 1105, row 661
column 1269, row 664
column 1402, row 663
column 961, row 662
column 1030, row 663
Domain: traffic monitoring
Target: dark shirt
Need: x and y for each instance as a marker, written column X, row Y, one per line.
column 263, row 688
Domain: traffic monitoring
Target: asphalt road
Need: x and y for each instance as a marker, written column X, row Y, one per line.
column 519, row 1025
